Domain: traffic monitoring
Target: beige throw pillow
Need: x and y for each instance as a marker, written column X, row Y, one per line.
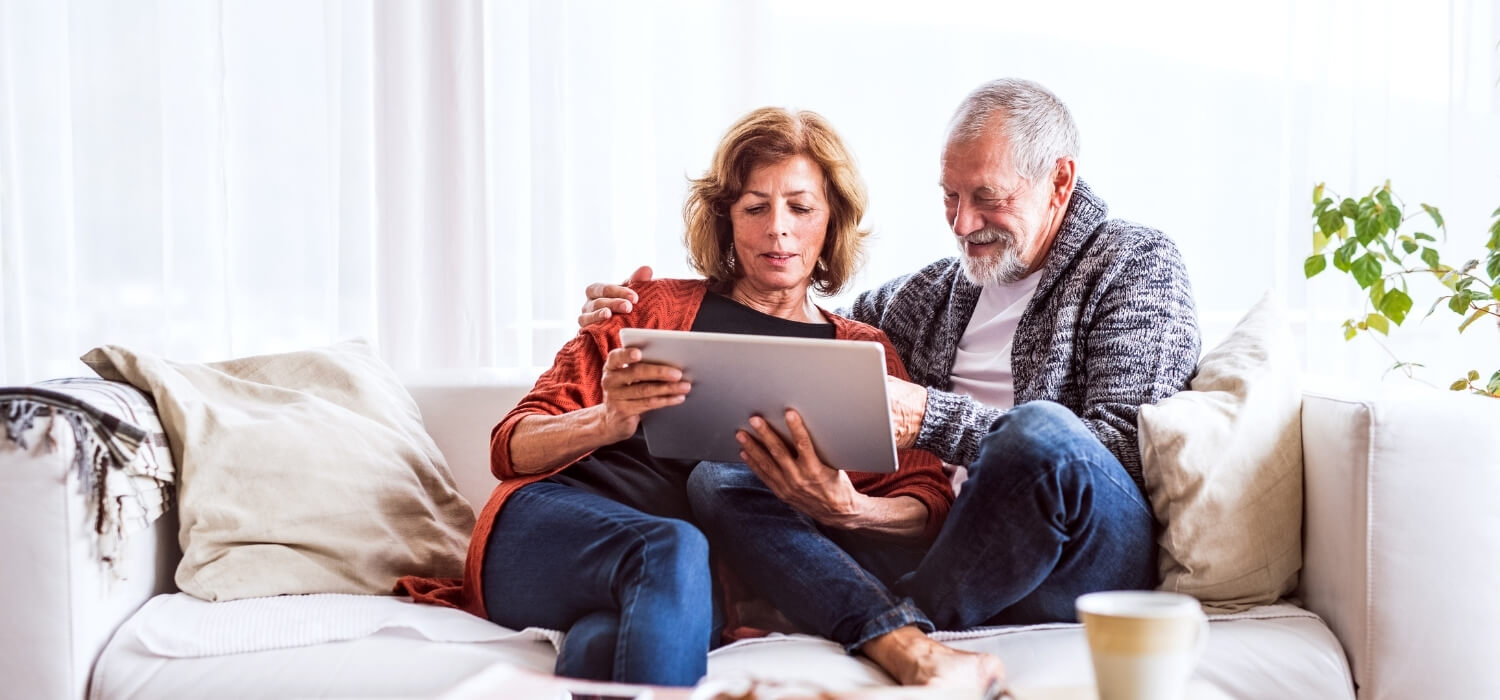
column 1223, row 468
column 305, row 472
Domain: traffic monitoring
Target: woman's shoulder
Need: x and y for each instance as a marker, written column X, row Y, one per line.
column 665, row 303
column 669, row 289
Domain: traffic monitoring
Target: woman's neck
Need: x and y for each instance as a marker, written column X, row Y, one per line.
column 790, row 304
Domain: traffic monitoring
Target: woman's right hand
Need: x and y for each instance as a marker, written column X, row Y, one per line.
column 631, row 388
column 605, row 300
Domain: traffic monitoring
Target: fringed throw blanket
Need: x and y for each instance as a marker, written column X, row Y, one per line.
column 122, row 461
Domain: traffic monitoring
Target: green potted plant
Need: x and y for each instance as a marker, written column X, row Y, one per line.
column 1371, row 245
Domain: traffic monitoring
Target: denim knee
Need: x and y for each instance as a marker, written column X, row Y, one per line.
column 675, row 545
column 710, row 482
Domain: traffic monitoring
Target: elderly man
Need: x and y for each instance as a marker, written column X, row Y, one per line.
column 1031, row 354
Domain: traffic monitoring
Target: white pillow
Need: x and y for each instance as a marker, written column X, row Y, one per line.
column 305, row 472
column 1223, row 468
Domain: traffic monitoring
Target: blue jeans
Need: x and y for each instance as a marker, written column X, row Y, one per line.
column 630, row 589
column 1047, row 514
column 833, row 583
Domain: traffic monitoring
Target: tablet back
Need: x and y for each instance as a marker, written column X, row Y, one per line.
column 837, row 385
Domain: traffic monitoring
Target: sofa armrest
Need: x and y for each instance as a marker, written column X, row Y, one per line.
column 65, row 603
column 1401, row 535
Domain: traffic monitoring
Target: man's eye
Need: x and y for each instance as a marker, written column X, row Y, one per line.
column 950, row 196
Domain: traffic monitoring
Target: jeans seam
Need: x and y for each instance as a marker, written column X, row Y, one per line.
column 627, row 609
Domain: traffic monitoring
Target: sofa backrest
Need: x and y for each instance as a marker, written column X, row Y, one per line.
column 459, row 410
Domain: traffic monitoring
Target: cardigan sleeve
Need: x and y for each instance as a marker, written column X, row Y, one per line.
column 572, row 383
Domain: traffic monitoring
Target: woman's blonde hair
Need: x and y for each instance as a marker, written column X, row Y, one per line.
column 763, row 137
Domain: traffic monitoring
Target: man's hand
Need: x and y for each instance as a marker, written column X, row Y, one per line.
column 605, row 300
column 797, row 476
column 632, row 387
column 908, row 406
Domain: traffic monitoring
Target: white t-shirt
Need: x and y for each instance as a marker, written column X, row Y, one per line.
column 981, row 369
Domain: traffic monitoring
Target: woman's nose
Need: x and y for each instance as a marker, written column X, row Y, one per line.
column 781, row 223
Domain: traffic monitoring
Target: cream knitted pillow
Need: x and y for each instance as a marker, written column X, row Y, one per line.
column 304, row 472
column 1223, row 469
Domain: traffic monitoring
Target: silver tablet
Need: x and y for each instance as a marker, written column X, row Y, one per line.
column 837, row 385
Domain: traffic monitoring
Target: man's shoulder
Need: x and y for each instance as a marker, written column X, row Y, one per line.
column 939, row 275
column 1123, row 234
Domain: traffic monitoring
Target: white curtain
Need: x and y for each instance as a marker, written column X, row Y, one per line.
column 213, row 179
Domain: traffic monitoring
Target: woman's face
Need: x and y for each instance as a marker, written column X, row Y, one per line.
column 780, row 222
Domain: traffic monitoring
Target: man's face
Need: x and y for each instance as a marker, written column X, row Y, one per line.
column 1003, row 223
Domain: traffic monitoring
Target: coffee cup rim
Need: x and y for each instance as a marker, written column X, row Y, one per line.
column 1118, row 604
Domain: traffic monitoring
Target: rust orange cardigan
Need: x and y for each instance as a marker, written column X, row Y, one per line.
column 573, row 383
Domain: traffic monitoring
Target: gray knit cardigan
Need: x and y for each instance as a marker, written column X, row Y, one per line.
column 1111, row 326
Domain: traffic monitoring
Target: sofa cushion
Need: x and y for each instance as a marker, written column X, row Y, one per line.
column 304, row 472
column 1223, row 468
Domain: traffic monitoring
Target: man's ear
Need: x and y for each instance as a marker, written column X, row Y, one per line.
column 1064, row 179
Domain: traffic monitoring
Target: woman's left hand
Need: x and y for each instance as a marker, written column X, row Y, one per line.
column 796, row 475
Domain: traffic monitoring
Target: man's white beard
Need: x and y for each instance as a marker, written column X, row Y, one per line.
column 1003, row 267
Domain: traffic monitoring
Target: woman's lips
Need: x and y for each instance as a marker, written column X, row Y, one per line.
column 779, row 259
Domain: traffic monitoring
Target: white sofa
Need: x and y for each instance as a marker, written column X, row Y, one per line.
column 1399, row 595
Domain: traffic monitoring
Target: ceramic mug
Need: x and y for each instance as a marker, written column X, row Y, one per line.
column 1144, row 644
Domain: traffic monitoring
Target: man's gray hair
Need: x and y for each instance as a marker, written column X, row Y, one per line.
column 1040, row 128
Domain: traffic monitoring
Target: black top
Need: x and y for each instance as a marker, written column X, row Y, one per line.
column 626, row 472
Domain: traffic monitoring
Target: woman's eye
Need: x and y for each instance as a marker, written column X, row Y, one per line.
column 801, row 209
column 755, row 209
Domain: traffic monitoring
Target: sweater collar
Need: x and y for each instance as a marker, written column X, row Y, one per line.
column 1086, row 211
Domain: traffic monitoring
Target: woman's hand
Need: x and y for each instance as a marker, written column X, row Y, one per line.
column 632, row 387
column 797, row 476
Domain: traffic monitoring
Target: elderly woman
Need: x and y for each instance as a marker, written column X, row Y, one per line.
column 589, row 533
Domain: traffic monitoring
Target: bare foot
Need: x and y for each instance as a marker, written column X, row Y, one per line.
column 913, row 658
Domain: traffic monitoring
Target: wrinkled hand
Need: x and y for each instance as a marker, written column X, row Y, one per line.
column 605, row 300
column 632, row 387
column 908, row 406
column 796, row 475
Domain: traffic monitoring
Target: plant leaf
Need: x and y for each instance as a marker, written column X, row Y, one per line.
column 1350, row 209
column 1493, row 267
column 1366, row 270
column 1377, row 293
column 1378, row 322
column 1320, row 241
column 1465, row 326
column 1313, row 265
column 1409, row 246
column 1345, row 255
column 1318, row 193
column 1424, row 237
column 1395, row 305
column 1473, row 375
column 1459, row 303
column 1330, row 222
column 1433, row 212
column 1392, row 217
column 1494, row 386
column 1349, row 330
column 1459, row 385
column 1430, row 257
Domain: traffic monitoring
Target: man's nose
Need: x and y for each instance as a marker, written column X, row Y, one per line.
column 965, row 220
